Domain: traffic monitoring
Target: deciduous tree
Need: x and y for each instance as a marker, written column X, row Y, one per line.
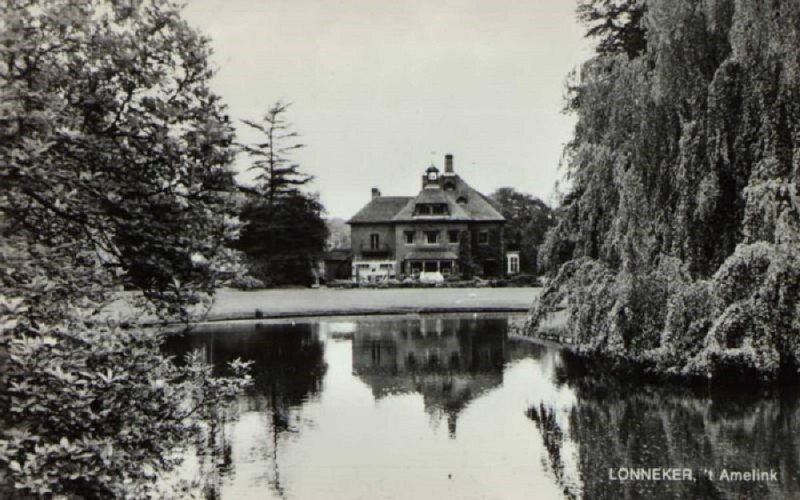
column 527, row 220
column 114, row 166
column 684, row 178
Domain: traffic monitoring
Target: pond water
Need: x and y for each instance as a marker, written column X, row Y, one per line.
column 455, row 407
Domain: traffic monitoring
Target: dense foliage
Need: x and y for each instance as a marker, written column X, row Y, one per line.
column 527, row 220
column 283, row 240
column 283, row 231
column 619, row 25
column 678, row 242
column 114, row 167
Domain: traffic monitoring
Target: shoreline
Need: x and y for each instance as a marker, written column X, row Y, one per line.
column 395, row 311
column 236, row 305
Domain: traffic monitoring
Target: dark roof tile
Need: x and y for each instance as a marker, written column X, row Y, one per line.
column 380, row 209
column 478, row 208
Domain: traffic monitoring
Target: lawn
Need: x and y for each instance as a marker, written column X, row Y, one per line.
column 231, row 304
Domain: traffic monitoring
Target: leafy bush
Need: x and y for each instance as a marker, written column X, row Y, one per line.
column 247, row 283
column 100, row 412
column 525, row 280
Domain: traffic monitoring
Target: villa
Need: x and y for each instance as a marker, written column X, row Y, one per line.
column 448, row 227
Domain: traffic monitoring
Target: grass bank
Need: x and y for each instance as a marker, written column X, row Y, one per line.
column 230, row 305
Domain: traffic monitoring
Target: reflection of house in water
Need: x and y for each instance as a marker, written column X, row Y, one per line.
column 449, row 361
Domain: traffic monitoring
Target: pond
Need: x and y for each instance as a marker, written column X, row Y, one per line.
column 456, row 407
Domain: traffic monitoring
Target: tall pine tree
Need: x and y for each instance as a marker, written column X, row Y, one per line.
column 284, row 231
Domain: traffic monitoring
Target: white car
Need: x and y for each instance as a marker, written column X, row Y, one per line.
column 431, row 277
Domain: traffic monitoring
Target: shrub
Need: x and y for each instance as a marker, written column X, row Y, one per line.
column 99, row 411
column 247, row 283
column 524, row 280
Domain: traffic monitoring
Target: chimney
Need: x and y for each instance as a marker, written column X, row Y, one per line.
column 376, row 193
column 448, row 164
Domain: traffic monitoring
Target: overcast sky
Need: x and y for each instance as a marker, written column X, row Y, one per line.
column 383, row 88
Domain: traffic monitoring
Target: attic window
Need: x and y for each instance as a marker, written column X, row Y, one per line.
column 440, row 209
column 431, row 209
column 449, row 186
column 462, row 200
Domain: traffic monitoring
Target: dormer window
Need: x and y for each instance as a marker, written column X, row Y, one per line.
column 431, row 209
column 449, row 186
column 462, row 200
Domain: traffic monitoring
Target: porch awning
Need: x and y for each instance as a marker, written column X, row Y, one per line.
column 431, row 255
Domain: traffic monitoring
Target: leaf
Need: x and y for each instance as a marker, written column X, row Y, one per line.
column 108, row 451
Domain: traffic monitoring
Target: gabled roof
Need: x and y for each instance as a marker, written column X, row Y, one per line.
column 476, row 208
column 401, row 208
column 431, row 195
column 380, row 209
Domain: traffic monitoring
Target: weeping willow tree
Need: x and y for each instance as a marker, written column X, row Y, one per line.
column 678, row 244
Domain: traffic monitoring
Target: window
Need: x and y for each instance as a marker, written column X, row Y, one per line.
column 387, row 266
column 452, row 236
column 376, row 353
column 483, row 237
column 431, row 237
column 440, row 209
column 449, row 186
column 362, row 266
column 433, row 175
column 462, row 200
column 433, row 356
column 409, row 237
column 513, row 264
column 423, row 209
column 374, row 241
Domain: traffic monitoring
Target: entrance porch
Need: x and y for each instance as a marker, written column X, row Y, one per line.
column 442, row 262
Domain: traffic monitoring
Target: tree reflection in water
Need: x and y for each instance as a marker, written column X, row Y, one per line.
column 588, row 424
column 625, row 424
column 288, row 369
column 553, row 437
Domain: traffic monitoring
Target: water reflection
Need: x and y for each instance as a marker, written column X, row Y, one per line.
column 288, row 368
column 452, row 407
column 622, row 424
column 450, row 362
